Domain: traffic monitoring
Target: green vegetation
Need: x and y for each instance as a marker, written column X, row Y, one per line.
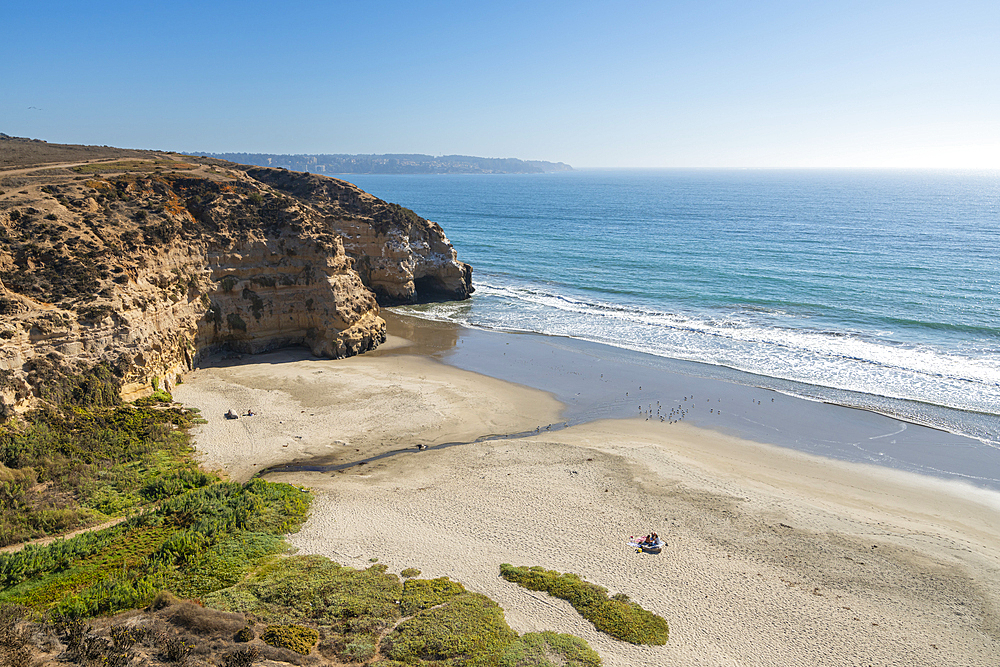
column 353, row 611
column 351, row 606
column 420, row 594
column 297, row 638
column 549, row 649
column 80, row 466
column 206, row 539
column 618, row 616
column 469, row 628
column 97, row 387
column 158, row 396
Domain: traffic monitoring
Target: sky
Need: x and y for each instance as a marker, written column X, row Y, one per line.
column 765, row 84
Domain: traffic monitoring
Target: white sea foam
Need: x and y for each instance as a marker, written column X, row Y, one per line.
column 745, row 339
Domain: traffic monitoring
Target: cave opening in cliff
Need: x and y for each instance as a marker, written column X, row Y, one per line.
column 429, row 288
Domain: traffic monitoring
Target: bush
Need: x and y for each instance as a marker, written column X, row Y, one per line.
column 469, row 628
column 242, row 657
column 245, row 634
column 296, row 638
column 93, row 459
column 360, row 650
column 163, row 600
column 409, row 573
column 549, row 649
column 618, row 616
column 127, row 565
column 175, row 484
column 420, row 594
column 353, row 604
column 158, row 396
column 176, row 649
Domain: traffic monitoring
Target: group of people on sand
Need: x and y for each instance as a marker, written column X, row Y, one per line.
column 650, row 539
column 232, row 415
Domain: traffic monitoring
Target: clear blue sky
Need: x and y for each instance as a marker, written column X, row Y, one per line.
column 594, row 84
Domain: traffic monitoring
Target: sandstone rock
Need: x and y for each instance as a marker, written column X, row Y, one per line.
column 144, row 272
column 402, row 257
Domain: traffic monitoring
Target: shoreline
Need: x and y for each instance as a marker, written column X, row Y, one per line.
column 774, row 556
column 958, row 421
column 597, row 381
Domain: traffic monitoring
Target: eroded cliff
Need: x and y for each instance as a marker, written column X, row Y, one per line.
column 130, row 271
column 399, row 255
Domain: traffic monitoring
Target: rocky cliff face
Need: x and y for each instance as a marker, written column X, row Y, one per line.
column 399, row 255
column 130, row 271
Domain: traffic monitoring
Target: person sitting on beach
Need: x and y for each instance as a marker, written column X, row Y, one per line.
column 249, row 413
column 231, row 415
column 654, row 538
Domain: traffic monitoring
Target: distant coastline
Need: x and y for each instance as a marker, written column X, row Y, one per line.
column 393, row 163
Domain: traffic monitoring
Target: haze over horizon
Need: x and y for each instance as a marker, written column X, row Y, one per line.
column 775, row 84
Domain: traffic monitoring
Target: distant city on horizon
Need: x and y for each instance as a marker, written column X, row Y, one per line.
column 393, row 163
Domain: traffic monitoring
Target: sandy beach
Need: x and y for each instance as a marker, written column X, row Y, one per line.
column 774, row 556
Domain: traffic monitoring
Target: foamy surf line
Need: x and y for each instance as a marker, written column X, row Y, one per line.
column 944, row 390
column 597, row 381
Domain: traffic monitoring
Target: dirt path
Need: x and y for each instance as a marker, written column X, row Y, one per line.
column 42, row 541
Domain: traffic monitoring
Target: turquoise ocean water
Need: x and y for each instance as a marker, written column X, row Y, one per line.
column 875, row 289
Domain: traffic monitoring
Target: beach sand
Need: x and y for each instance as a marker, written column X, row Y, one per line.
column 774, row 556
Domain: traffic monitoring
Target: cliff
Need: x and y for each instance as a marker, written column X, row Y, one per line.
column 123, row 274
column 399, row 255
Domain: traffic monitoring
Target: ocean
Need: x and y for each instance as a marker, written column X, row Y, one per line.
column 871, row 289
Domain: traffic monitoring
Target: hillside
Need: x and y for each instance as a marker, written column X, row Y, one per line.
column 139, row 263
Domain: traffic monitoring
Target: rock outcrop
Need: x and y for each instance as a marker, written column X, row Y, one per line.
column 399, row 255
column 131, row 271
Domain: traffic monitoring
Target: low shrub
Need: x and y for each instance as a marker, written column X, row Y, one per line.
column 619, row 617
column 90, row 463
column 360, row 650
column 469, row 629
column 128, row 565
column 175, row 483
column 420, row 594
column 157, row 397
column 409, row 573
column 315, row 589
column 245, row 634
column 176, row 649
column 352, row 605
column 163, row 600
column 296, row 638
column 124, row 637
column 549, row 649
column 243, row 657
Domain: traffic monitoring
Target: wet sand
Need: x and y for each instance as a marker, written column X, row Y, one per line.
column 774, row 556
